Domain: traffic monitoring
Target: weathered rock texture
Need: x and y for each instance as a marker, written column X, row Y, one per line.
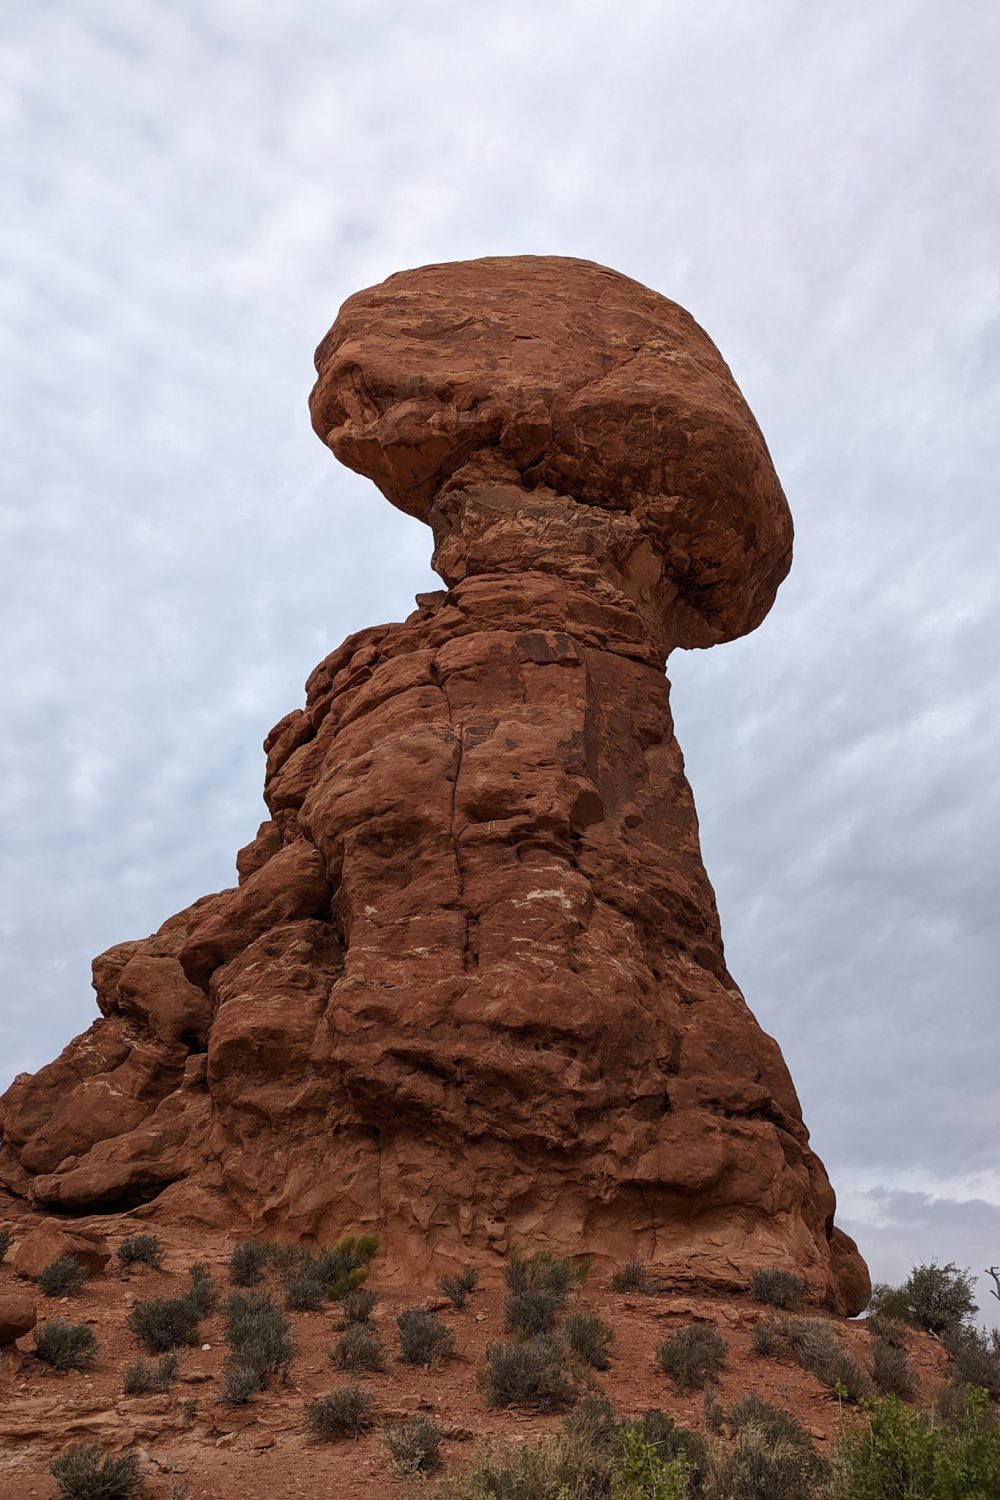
column 471, row 986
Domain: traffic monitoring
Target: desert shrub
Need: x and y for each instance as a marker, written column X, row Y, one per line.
column 901, row 1454
column 671, row 1441
column 770, row 1338
column 423, row 1338
column 64, row 1277
column 343, row 1413
column 343, row 1266
column 935, row 1298
column 304, row 1291
column 65, row 1346
column 534, row 1310
column 5, row 1241
column 890, row 1330
column 951, row 1399
column 774, row 1421
column 284, row 1258
column 976, row 1357
column 891, row 1369
column 141, row 1378
column 758, row 1465
column 818, row 1349
column 202, row 1293
column 532, row 1374
column 692, row 1356
column 413, row 1446
column 641, row 1470
column 359, row 1348
column 358, row 1304
column 590, row 1339
column 141, row 1250
column 239, row 1383
column 247, row 1263
column 593, row 1421
column 457, row 1288
column 87, row 1472
column 543, row 1272
column 164, row 1323
column 552, row 1469
column 259, row 1336
column 777, row 1288
column 633, row 1277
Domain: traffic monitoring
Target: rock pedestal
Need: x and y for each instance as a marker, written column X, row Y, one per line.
column 470, row 990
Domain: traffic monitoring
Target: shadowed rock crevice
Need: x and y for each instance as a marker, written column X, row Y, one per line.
column 471, row 989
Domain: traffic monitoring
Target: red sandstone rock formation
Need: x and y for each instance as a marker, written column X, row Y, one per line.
column 471, row 988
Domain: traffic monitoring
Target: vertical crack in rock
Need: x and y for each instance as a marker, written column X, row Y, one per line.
column 475, row 942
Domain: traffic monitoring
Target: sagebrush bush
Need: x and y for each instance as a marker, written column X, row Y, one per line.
column 65, row 1346
column 890, row 1330
column 423, row 1338
column 692, row 1356
column 358, row 1348
column 64, row 1277
column 358, row 1304
column 164, row 1323
column 413, row 1446
column 757, row 1465
column 202, row 1293
column 248, row 1262
column 259, row 1336
column 590, row 1339
column 5, row 1241
column 530, row 1374
column 87, row 1472
column 593, row 1421
column 633, row 1277
column 141, row 1378
column 770, row 1339
column 239, row 1383
column 343, row 1413
column 284, row 1258
column 344, row 1266
column 935, row 1298
column 543, row 1272
column 671, row 1441
column 901, row 1454
column 782, row 1289
column 976, row 1357
column 817, row 1349
column 774, row 1421
column 141, row 1250
column 891, row 1369
column 458, row 1288
column 304, row 1291
column 534, row 1310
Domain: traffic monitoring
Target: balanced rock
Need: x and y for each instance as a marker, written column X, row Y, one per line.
column 17, row 1316
column 470, row 990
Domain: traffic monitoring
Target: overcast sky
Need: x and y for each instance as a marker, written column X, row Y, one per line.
column 191, row 190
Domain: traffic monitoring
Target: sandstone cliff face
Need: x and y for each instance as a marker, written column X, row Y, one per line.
column 470, row 989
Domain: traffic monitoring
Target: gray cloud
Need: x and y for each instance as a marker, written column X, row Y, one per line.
column 191, row 192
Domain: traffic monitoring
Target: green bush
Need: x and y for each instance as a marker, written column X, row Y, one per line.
column 530, row 1374
column 590, row 1339
column 358, row 1304
column 458, row 1288
column 633, row 1277
column 900, row 1454
column 543, row 1272
column 64, row 1277
column 644, row 1472
column 413, row 1446
column 935, row 1298
column 568, row 1467
column 423, row 1338
column 343, row 1266
column 86, row 1472
column 671, row 1441
column 142, row 1378
column 164, row 1323
column 692, row 1356
column 976, row 1357
column 65, row 1346
column 534, row 1310
column 342, row 1413
column 5, row 1240
column 248, row 1262
column 757, row 1465
column 891, row 1369
column 141, row 1250
column 202, row 1293
column 259, row 1336
column 359, row 1348
column 780, row 1289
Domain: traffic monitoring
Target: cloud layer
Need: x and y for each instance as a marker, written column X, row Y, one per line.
column 191, row 192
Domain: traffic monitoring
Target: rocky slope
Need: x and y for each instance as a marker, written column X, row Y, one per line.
column 470, row 989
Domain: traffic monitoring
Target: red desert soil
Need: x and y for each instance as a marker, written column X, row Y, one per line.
column 263, row 1449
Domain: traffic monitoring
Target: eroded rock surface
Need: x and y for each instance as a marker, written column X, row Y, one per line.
column 471, row 989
